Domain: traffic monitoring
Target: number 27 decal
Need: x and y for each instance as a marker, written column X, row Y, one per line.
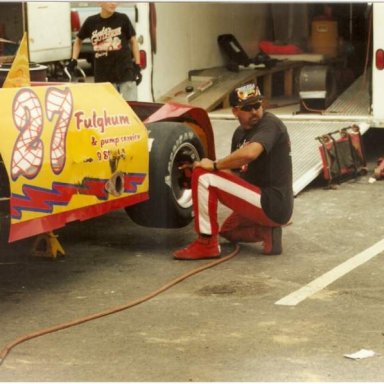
column 28, row 117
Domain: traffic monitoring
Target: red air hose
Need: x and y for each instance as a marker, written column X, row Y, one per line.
column 5, row 351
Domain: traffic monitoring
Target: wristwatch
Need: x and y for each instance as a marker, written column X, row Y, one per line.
column 215, row 166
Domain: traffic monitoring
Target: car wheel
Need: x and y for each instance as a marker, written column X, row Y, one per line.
column 170, row 195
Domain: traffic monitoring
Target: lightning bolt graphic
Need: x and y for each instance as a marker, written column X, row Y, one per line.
column 36, row 199
column 132, row 181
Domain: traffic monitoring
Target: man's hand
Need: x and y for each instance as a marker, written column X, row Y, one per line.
column 137, row 72
column 204, row 163
column 71, row 66
column 186, row 165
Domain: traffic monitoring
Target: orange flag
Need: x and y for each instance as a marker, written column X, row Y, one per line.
column 18, row 75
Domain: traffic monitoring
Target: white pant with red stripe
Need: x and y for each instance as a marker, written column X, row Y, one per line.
column 232, row 191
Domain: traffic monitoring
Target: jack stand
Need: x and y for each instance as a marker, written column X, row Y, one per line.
column 47, row 245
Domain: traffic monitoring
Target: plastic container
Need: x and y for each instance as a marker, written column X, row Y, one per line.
column 325, row 37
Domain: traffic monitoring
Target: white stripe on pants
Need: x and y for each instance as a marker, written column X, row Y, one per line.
column 210, row 187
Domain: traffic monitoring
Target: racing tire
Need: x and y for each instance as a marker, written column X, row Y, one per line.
column 4, row 204
column 170, row 196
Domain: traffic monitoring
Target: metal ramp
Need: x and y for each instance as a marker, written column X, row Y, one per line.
column 306, row 159
column 351, row 107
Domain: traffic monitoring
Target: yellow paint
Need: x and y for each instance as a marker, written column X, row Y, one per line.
column 18, row 75
column 103, row 136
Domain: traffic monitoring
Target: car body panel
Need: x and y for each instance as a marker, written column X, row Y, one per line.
column 67, row 149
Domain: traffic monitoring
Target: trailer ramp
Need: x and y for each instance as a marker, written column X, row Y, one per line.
column 306, row 159
column 351, row 107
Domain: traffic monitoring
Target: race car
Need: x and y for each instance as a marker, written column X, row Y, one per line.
column 74, row 151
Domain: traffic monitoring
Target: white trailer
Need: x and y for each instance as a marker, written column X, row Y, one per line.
column 186, row 36
column 48, row 27
column 178, row 37
column 182, row 37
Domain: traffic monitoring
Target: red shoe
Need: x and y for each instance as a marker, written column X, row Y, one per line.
column 272, row 237
column 201, row 248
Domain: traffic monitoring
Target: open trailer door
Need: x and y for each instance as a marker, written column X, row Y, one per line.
column 49, row 31
column 378, row 64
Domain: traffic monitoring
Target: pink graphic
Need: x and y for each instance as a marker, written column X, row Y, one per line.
column 59, row 103
column 27, row 156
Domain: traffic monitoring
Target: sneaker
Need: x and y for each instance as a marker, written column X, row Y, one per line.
column 272, row 237
column 202, row 248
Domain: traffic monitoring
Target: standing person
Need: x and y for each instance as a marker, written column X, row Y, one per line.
column 115, row 47
column 254, row 180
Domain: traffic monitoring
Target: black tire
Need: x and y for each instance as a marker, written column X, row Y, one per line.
column 170, row 203
column 4, row 204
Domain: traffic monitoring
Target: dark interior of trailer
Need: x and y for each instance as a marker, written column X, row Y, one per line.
column 340, row 32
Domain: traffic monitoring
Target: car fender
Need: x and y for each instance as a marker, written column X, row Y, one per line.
column 71, row 152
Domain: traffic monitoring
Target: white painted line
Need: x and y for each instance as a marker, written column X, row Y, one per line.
column 329, row 277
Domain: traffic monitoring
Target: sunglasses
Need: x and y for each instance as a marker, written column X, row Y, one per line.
column 249, row 107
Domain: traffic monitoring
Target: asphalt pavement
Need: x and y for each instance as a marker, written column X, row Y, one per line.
column 222, row 324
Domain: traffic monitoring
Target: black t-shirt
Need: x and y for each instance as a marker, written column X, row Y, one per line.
column 272, row 170
column 110, row 41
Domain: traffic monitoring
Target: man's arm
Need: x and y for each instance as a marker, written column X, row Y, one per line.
column 75, row 55
column 135, row 49
column 234, row 160
column 76, row 48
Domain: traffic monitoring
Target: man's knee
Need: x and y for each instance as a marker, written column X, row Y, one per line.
column 198, row 171
column 196, row 174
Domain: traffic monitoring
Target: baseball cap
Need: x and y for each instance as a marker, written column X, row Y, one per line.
column 246, row 94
